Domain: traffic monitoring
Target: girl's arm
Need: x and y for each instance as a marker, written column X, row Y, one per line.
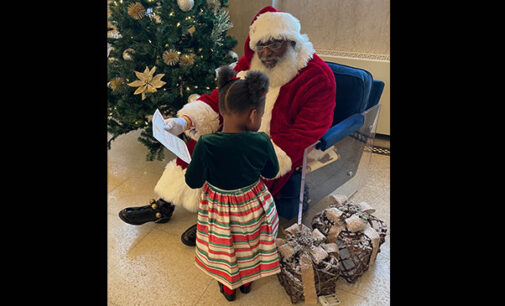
column 271, row 167
column 196, row 173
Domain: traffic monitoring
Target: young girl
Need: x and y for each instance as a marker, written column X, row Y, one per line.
column 237, row 220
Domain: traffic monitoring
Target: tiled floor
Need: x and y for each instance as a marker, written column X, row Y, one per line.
column 148, row 264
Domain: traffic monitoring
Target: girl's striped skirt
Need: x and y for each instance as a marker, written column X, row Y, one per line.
column 236, row 233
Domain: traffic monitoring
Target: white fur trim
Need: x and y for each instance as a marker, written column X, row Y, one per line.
column 274, row 25
column 282, row 73
column 270, row 99
column 242, row 74
column 305, row 51
column 290, row 64
column 172, row 188
column 284, row 161
column 205, row 119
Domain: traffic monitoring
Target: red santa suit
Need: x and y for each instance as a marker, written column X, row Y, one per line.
column 298, row 107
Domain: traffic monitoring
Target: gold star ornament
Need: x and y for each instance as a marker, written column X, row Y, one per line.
column 136, row 10
column 147, row 82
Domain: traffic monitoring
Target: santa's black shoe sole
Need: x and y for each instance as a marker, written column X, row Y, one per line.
column 162, row 220
column 123, row 215
column 130, row 222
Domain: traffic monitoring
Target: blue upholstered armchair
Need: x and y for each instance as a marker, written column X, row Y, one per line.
column 342, row 155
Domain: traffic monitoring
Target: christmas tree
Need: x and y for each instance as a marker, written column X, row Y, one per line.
column 162, row 54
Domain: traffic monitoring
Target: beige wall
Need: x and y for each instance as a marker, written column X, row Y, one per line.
column 350, row 32
column 242, row 13
column 360, row 26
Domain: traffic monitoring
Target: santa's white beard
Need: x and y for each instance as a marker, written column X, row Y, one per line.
column 285, row 69
column 283, row 72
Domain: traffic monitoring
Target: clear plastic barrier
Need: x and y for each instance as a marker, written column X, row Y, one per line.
column 343, row 167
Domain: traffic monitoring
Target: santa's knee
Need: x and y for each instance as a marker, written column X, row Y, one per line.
column 172, row 188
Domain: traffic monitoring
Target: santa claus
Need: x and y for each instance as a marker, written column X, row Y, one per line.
column 298, row 111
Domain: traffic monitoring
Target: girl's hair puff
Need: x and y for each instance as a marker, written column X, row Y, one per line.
column 237, row 95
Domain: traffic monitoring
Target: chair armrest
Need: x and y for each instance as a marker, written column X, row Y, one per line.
column 340, row 130
column 375, row 93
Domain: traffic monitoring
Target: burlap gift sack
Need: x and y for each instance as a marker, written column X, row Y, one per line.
column 355, row 230
column 309, row 264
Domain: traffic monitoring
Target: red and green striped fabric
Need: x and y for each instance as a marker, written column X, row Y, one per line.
column 236, row 231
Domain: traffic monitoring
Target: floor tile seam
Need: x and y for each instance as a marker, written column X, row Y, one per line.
column 109, row 303
column 113, row 214
column 115, row 187
column 200, row 298
column 352, row 293
column 166, row 232
column 139, row 240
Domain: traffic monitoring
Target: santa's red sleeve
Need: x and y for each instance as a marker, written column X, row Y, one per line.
column 315, row 99
column 242, row 64
column 315, row 102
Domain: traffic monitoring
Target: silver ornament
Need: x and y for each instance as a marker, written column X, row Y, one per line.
column 233, row 54
column 185, row 5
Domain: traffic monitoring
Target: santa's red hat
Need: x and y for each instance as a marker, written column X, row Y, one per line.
column 270, row 23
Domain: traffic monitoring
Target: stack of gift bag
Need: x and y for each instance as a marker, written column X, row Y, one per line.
column 343, row 242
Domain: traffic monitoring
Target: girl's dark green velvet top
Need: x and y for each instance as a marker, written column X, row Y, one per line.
column 231, row 160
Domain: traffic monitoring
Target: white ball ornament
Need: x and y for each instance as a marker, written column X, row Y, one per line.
column 233, row 54
column 193, row 97
column 127, row 54
column 185, row 5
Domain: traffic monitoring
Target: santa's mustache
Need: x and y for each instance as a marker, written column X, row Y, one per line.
column 270, row 58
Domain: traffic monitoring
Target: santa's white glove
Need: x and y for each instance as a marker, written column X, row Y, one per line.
column 175, row 126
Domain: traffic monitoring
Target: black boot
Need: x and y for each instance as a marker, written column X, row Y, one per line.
column 246, row 289
column 229, row 297
column 189, row 236
column 157, row 211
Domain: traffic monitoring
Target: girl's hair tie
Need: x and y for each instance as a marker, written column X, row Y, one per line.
column 232, row 79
